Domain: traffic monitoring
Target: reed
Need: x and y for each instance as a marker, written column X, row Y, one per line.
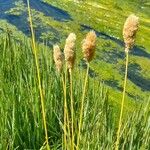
column 70, row 60
column 129, row 33
column 88, row 49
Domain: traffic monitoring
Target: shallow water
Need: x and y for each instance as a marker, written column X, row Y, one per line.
column 21, row 21
column 49, row 10
column 39, row 5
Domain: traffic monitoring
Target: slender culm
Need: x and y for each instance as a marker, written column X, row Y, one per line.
column 58, row 58
column 69, row 51
column 88, row 47
column 129, row 33
column 38, row 76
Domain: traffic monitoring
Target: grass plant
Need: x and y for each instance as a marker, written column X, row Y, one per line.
column 129, row 33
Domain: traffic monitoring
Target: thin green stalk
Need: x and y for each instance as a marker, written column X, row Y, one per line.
column 72, row 110
column 66, row 116
column 65, row 107
column 122, row 102
column 13, row 123
column 38, row 76
column 82, row 104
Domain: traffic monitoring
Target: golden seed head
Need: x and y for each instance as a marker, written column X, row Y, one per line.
column 58, row 58
column 88, row 46
column 69, row 50
column 129, row 31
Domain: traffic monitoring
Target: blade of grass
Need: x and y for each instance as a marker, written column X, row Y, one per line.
column 122, row 103
column 38, row 75
column 82, row 104
column 66, row 112
column 72, row 110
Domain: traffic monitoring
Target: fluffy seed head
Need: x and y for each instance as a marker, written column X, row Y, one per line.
column 69, row 50
column 58, row 58
column 129, row 31
column 88, row 46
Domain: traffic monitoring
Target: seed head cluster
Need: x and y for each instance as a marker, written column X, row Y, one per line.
column 88, row 46
column 130, row 30
column 58, row 57
column 69, row 50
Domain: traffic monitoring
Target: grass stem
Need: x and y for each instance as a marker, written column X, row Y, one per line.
column 72, row 110
column 122, row 102
column 66, row 115
column 82, row 104
column 38, row 76
column 65, row 112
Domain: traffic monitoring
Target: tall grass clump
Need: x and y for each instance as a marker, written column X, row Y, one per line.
column 129, row 33
column 21, row 124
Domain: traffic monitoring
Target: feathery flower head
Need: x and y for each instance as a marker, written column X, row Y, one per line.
column 69, row 50
column 88, row 46
column 130, row 30
column 58, row 58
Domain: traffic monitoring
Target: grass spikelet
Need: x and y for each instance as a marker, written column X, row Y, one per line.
column 129, row 33
column 88, row 46
column 130, row 30
column 69, row 50
column 58, row 58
